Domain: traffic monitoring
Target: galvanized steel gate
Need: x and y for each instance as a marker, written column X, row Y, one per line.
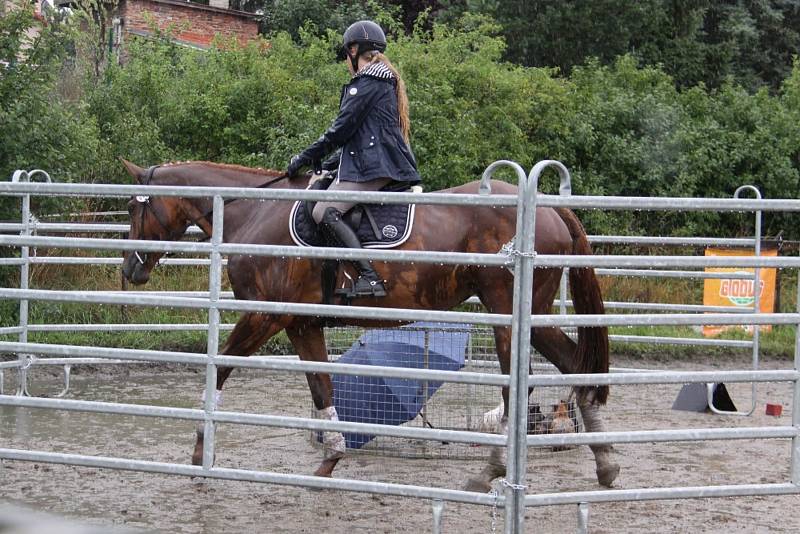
column 518, row 256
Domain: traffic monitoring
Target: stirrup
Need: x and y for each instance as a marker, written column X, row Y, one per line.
column 362, row 287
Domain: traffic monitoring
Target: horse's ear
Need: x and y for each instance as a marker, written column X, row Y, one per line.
column 133, row 169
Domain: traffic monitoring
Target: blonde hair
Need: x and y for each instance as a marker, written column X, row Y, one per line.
column 373, row 56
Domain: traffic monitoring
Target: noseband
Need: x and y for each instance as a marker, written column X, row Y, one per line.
column 145, row 201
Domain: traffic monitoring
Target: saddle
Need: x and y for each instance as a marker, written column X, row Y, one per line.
column 376, row 225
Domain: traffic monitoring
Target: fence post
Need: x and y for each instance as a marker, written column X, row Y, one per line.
column 756, row 309
column 521, row 250
column 756, row 290
column 25, row 360
column 756, row 300
column 583, row 518
column 438, row 509
column 24, row 277
column 521, row 345
column 214, row 285
column 564, row 190
column 796, row 396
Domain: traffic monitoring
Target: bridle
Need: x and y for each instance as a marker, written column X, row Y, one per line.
column 173, row 234
column 147, row 205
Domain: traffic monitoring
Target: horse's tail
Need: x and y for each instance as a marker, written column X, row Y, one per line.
column 592, row 350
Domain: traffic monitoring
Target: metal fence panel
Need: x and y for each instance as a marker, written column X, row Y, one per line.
column 524, row 262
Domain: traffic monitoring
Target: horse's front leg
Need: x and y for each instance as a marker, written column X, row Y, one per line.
column 498, row 457
column 309, row 340
column 251, row 331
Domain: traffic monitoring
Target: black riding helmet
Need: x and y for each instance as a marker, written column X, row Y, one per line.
column 367, row 35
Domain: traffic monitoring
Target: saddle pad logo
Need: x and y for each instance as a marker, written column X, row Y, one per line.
column 389, row 231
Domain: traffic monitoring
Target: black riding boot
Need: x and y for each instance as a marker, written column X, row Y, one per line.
column 369, row 284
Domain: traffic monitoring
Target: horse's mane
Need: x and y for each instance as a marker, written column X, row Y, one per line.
column 270, row 173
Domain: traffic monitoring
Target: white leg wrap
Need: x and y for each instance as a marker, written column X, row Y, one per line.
column 217, row 398
column 499, row 455
column 333, row 443
column 607, row 468
column 490, row 422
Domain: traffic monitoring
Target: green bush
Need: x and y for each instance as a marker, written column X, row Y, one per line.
column 631, row 133
column 259, row 104
column 621, row 129
column 38, row 128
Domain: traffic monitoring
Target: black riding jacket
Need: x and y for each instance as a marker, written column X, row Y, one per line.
column 368, row 131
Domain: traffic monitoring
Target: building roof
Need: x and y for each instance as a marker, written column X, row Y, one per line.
column 203, row 7
column 184, row 3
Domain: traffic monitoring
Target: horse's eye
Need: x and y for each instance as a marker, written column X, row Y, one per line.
column 130, row 208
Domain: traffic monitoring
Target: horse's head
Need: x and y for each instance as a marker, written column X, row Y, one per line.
column 151, row 218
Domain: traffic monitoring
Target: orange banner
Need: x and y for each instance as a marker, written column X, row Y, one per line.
column 738, row 291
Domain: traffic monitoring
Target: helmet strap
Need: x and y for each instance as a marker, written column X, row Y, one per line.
column 354, row 58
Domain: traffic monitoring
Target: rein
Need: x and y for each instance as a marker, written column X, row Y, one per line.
column 230, row 200
column 171, row 234
column 272, row 181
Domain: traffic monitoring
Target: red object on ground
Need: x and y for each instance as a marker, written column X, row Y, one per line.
column 774, row 409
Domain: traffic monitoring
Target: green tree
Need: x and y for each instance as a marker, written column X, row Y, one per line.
column 622, row 129
column 760, row 37
column 38, row 128
column 94, row 41
column 695, row 41
column 291, row 15
column 564, row 33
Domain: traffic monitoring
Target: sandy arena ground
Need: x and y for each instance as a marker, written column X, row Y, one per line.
column 156, row 503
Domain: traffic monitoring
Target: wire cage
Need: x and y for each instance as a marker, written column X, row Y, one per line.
column 447, row 406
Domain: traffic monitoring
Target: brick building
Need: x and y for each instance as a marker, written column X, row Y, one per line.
column 191, row 24
column 7, row 6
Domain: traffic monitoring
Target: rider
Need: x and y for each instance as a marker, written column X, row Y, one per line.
column 372, row 129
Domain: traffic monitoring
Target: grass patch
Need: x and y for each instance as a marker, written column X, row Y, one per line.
column 779, row 343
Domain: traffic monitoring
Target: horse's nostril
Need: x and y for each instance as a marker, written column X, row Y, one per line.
column 140, row 276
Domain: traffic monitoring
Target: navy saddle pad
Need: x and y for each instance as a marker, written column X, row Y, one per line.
column 377, row 225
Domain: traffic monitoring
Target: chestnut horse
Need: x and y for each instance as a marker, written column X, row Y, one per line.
column 469, row 229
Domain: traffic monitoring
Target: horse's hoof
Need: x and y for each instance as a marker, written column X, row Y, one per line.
column 197, row 459
column 197, row 454
column 478, row 485
column 325, row 469
column 608, row 474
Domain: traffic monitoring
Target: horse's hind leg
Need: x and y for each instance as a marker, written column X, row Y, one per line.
column 251, row 331
column 607, row 469
column 309, row 340
column 557, row 347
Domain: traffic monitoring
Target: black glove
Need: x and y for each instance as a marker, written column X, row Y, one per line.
column 310, row 157
column 296, row 163
column 332, row 163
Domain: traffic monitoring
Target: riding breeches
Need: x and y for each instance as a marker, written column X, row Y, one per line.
column 343, row 207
